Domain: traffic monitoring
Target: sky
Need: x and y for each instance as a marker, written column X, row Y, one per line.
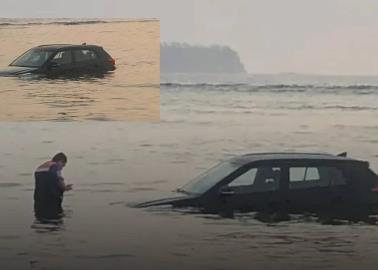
column 271, row 36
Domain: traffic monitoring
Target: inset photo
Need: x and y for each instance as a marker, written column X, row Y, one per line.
column 77, row 69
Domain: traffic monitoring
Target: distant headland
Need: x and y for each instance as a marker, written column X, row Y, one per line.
column 185, row 58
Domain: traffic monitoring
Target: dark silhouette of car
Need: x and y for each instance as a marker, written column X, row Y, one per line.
column 61, row 59
column 282, row 182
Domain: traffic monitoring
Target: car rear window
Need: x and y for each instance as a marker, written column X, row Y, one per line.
column 84, row 55
column 105, row 53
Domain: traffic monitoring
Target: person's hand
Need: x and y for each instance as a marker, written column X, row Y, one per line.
column 68, row 187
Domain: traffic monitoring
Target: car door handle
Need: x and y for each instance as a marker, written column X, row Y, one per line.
column 227, row 192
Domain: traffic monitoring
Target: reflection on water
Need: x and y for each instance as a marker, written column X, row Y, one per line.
column 46, row 225
column 131, row 92
column 49, row 218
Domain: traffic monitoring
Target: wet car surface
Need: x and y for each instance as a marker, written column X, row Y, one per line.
column 61, row 59
column 282, row 182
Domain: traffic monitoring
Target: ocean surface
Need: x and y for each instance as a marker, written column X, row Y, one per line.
column 131, row 92
column 203, row 119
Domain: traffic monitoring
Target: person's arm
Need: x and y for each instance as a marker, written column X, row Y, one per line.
column 63, row 186
column 60, row 180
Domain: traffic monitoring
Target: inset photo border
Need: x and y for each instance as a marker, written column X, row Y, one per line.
column 69, row 70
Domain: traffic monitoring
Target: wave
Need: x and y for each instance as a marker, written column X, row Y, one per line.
column 194, row 85
column 48, row 23
column 22, row 22
column 245, row 87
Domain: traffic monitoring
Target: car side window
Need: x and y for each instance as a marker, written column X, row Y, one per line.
column 312, row 174
column 84, row 55
column 336, row 176
column 312, row 177
column 258, row 179
column 298, row 174
column 246, row 179
column 63, row 58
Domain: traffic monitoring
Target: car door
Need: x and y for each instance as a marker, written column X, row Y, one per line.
column 61, row 63
column 314, row 186
column 257, row 189
column 86, row 60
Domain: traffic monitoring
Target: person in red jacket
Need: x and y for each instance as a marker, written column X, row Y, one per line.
column 49, row 188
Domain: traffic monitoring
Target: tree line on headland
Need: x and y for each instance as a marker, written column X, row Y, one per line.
column 185, row 58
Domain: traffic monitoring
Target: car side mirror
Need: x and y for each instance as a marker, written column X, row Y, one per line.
column 226, row 191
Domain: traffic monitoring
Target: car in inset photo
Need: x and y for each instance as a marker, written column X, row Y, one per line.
column 291, row 182
column 61, row 59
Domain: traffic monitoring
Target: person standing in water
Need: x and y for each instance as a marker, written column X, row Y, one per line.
column 49, row 188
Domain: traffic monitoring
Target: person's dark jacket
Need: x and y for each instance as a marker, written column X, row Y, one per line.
column 48, row 194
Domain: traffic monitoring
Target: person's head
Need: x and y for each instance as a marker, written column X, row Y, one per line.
column 60, row 159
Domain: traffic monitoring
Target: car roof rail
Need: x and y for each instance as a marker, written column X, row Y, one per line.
column 55, row 44
column 342, row 154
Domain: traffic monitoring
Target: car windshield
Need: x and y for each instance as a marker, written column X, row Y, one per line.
column 205, row 181
column 32, row 58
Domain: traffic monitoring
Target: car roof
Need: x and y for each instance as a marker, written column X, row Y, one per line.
column 253, row 157
column 65, row 46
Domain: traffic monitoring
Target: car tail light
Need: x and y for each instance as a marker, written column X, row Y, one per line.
column 374, row 189
column 111, row 61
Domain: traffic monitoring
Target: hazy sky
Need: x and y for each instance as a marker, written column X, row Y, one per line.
column 308, row 36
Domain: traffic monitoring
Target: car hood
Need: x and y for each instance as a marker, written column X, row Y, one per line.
column 14, row 71
column 164, row 201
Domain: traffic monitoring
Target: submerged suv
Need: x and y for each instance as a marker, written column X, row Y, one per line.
column 292, row 182
column 61, row 59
